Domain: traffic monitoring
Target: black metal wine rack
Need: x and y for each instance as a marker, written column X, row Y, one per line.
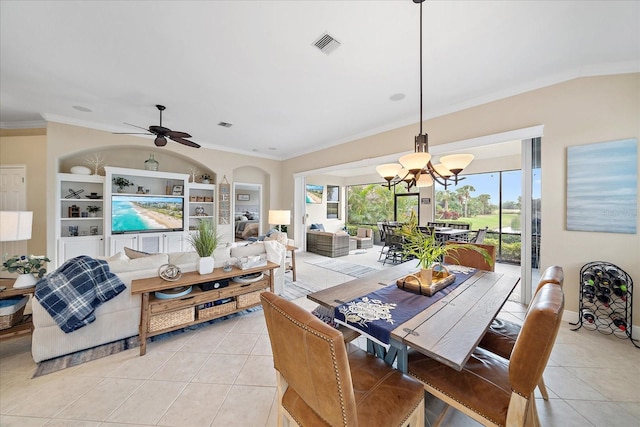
column 606, row 300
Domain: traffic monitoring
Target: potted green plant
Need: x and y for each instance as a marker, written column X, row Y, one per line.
column 93, row 210
column 121, row 183
column 26, row 266
column 205, row 240
column 428, row 251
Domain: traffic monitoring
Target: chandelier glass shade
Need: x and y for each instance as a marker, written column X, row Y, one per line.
column 416, row 169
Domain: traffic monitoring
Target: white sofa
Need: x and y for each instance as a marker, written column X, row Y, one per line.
column 120, row 317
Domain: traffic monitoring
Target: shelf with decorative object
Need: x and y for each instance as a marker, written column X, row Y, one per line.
column 606, row 300
column 201, row 204
column 79, row 214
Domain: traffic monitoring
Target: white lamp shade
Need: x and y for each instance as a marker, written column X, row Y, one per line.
column 405, row 175
column 415, row 161
column 425, row 180
column 456, row 162
column 15, row 225
column 388, row 170
column 279, row 217
column 442, row 170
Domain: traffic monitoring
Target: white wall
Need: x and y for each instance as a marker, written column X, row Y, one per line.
column 576, row 112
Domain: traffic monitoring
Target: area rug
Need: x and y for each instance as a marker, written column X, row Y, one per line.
column 297, row 289
column 79, row 357
column 343, row 267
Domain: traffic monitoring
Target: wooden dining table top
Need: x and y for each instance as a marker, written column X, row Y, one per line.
column 448, row 330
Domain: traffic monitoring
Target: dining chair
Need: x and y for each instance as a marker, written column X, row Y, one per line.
column 459, row 226
column 383, row 227
column 395, row 242
column 470, row 258
column 502, row 334
column 320, row 383
column 480, row 235
column 491, row 389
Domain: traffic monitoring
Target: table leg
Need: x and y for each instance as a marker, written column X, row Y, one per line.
column 401, row 356
column 144, row 322
column 293, row 265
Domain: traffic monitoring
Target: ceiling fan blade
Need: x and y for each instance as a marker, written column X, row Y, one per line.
column 131, row 133
column 177, row 134
column 139, row 127
column 160, row 141
column 159, row 130
column 185, row 142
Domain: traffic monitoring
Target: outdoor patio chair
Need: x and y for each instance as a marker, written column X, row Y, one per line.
column 480, row 235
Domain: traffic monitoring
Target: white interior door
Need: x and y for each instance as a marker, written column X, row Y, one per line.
column 13, row 197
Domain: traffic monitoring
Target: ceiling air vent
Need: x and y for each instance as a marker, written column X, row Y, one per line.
column 225, row 124
column 326, row 43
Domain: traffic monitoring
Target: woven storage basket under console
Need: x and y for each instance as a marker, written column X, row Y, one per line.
column 171, row 319
column 246, row 300
column 11, row 311
column 216, row 310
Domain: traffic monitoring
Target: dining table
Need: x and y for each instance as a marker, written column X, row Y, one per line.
column 446, row 326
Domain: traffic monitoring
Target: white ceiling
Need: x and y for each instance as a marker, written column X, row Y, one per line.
column 252, row 63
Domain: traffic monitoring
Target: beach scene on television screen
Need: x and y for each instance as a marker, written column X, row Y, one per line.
column 130, row 213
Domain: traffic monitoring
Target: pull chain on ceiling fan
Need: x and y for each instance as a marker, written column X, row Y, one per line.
column 162, row 133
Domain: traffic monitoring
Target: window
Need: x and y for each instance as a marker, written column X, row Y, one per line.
column 333, row 201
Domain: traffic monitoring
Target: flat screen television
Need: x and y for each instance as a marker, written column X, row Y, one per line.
column 137, row 213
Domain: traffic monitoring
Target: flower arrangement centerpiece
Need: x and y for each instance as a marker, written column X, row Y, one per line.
column 429, row 251
column 93, row 210
column 26, row 264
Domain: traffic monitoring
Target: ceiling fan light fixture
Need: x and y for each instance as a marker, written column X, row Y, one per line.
column 160, row 141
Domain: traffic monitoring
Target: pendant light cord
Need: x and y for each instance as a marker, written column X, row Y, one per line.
column 420, row 68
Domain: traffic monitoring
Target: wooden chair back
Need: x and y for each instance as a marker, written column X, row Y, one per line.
column 312, row 359
column 470, row 258
column 533, row 348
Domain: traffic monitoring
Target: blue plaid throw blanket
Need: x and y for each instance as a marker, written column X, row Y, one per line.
column 72, row 292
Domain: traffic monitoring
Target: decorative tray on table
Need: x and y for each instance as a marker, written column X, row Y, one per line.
column 412, row 283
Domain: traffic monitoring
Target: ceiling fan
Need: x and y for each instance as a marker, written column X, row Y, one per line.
column 162, row 133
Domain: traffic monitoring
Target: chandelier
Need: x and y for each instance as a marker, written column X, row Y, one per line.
column 416, row 169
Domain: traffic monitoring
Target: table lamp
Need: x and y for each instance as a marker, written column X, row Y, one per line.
column 15, row 225
column 279, row 218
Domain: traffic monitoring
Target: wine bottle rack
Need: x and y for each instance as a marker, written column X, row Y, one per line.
column 606, row 300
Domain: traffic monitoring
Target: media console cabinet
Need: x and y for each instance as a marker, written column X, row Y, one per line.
column 158, row 316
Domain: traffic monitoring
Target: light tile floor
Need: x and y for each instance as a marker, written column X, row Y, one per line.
column 222, row 375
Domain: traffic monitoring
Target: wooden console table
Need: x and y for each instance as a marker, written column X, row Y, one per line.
column 25, row 326
column 158, row 316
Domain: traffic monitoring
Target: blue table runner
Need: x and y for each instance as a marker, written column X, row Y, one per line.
column 378, row 313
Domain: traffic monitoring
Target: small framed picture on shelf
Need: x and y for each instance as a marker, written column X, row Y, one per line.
column 177, row 190
column 243, row 197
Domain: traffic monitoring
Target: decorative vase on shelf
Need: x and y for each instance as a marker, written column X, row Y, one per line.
column 151, row 164
column 205, row 265
column 25, row 281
